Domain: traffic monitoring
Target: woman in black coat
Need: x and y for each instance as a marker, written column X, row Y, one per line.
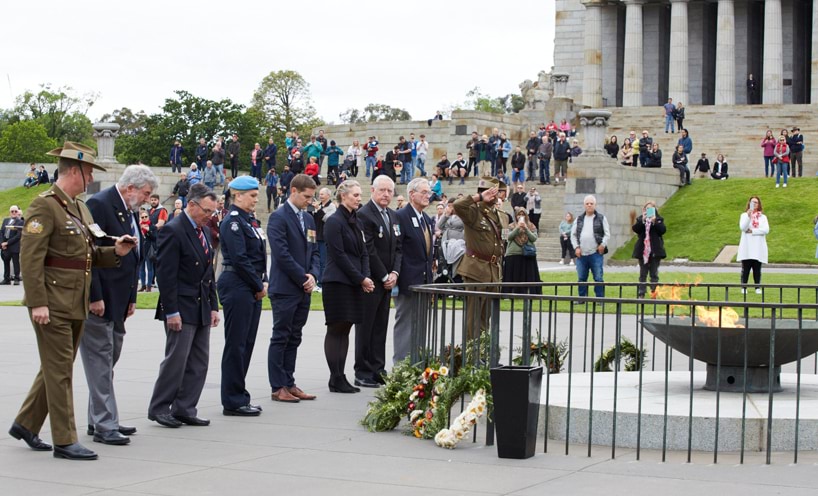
column 650, row 246
column 344, row 281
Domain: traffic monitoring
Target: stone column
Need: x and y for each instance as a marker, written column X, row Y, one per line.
column 594, row 124
column 814, row 93
column 677, row 73
column 105, row 134
column 632, row 78
column 726, row 54
column 560, row 82
column 592, row 68
column 773, row 80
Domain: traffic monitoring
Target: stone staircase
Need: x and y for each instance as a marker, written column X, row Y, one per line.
column 735, row 132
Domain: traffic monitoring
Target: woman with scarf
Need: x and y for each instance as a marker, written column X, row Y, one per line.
column 650, row 246
column 752, row 249
column 344, row 282
column 520, row 261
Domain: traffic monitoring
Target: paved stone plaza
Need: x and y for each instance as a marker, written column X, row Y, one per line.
column 318, row 447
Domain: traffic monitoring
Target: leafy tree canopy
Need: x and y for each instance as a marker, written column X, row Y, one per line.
column 25, row 141
column 375, row 112
column 477, row 100
column 61, row 111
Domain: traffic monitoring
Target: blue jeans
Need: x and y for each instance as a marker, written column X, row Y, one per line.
column 669, row 123
column 420, row 163
column 220, row 169
column 769, row 167
column 545, row 170
column 408, row 172
column 146, row 272
column 593, row 263
column 184, row 201
column 322, row 260
column 782, row 168
column 370, row 164
column 517, row 175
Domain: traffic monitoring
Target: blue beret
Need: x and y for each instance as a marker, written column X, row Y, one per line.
column 244, row 183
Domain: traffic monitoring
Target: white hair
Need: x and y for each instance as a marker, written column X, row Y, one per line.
column 137, row 176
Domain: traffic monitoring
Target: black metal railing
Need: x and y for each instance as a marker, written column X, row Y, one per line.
column 587, row 343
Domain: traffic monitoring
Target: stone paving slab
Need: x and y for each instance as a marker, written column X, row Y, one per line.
column 318, row 447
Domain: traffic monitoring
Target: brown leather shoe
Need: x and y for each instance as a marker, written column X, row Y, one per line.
column 284, row 396
column 301, row 395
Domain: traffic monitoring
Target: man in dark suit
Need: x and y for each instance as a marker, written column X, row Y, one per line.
column 416, row 262
column 10, row 233
column 381, row 231
column 189, row 307
column 113, row 300
column 294, row 267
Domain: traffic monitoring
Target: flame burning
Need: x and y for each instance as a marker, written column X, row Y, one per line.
column 708, row 317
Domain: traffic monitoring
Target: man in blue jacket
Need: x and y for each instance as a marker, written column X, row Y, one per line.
column 293, row 273
column 270, row 155
column 176, row 152
column 686, row 142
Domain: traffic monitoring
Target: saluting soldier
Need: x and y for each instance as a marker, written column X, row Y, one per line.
column 484, row 226
column 242, row 286
column 58, row 252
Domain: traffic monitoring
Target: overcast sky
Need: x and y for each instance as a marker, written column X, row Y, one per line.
column 420, row 55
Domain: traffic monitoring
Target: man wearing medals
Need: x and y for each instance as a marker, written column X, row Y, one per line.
column 482, row 263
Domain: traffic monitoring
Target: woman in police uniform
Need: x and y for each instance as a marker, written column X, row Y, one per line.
column 242, row 285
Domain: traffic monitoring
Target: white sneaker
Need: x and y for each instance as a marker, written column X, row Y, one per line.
column 758, row 290
column 777, row 185
column 562, row 262
column 785, row 185
column 572, row 263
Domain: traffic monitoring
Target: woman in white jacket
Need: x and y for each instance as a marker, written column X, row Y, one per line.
column 752, row 249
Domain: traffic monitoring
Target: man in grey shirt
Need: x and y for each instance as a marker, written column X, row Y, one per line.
column 589, row 235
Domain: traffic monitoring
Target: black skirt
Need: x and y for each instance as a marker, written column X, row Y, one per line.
column 517, row 268
column 342, row 303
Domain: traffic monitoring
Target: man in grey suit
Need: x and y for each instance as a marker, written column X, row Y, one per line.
column 189, row 307
column 113, row 300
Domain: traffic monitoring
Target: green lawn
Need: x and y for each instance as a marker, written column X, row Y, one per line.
column 702, row 218
column 19, row 196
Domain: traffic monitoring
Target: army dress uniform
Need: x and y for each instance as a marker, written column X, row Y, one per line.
column 482, row 262
column 58, row 252
column 244, row 272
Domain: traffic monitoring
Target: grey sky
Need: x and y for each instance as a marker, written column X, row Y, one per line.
column 421, row 55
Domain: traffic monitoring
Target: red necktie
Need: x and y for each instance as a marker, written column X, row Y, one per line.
column 202, row 240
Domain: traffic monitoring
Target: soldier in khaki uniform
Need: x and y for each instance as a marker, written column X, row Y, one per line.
column 484, row 228
column 58, row 251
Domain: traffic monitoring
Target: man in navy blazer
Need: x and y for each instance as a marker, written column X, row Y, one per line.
column 113, row 299
column 416, row 262
column 189, row 306
column 382, row 235
column 294, row 265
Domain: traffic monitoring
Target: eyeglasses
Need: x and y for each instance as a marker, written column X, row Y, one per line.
column 207, row 211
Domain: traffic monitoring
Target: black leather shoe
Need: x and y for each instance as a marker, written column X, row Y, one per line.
column 380, row 377
column 74, row 451
column 367, row 383
column 114, row 438
column 33, row 441
column 125, row 430
column 242, row 411
column 196, row 421
column 5, row 282
column 257, row 407
column 165, row 419
column 341, row 385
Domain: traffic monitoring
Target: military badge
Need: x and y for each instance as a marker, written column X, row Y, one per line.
column 34, row 227
column 234, row 226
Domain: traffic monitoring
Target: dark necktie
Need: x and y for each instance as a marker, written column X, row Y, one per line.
column 426, row 234
column 385, row 219
column 202, row 240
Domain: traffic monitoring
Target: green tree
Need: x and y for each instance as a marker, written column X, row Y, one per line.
column 508, row 104
column 129, row 122
column 283, row 100
column 375, row 112
column 60, row 111
column 25, row 141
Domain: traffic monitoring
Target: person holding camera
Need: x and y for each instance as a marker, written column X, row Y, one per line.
column 650, row 246
column 752, row 248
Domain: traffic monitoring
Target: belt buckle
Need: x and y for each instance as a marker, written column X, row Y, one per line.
column 87, row 264
column 493, row 259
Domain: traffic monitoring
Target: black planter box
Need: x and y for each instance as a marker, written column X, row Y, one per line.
column 516, row 393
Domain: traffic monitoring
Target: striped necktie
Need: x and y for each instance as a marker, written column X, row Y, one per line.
column 301, row 220
column 202, row 240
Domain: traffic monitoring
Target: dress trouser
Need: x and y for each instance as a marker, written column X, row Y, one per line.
column 183, row 372
column 100, row 347
column 11, row 259
column 477, row 310
column 402, row 333
column 52, row 393
column 241, row 316
column 290, row 313
column 370, row 335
